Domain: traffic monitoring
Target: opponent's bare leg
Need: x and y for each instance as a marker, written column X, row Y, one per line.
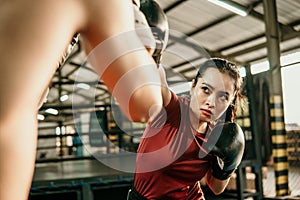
column 33, row 35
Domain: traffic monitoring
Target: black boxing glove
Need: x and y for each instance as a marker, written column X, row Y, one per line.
column 157, row 20
column 228, row 149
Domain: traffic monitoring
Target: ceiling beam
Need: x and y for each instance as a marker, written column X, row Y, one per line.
column 174, row 5
column 186, row 62
column 265, row 56
column 263, row 45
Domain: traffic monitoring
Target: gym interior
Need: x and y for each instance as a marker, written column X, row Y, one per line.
column 86, row 146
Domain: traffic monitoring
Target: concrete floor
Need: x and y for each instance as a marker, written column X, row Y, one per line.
column 71, row 170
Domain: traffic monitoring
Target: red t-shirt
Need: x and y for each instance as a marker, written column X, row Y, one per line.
column 168, row 161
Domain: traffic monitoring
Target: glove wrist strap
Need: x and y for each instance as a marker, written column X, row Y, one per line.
column 221, row 174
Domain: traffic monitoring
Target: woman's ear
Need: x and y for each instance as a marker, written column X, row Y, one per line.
column 193, row 83
column 192, row 86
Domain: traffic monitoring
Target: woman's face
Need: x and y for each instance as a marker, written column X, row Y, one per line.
column 212, row 95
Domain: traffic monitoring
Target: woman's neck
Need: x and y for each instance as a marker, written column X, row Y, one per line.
column 202, row 127
column 198, row 125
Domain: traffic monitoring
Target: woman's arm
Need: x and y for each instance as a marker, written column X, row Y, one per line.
column 217, row 186
column 165, row 90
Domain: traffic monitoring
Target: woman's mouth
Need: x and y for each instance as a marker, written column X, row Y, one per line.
column 206, row 112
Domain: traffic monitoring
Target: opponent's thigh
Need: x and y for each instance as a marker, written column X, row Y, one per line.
column 33, row 35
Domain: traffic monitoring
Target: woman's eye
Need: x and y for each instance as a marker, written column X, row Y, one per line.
column 223, row 98
column 205, row 89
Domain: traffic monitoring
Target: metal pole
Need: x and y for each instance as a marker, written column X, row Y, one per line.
column 276, row 99
column 256, row 164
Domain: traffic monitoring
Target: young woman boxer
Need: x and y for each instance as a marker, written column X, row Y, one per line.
column 192, row 138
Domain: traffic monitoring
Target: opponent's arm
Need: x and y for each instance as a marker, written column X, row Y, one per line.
column 228, row 151
column 121, row 59
column 155, row 38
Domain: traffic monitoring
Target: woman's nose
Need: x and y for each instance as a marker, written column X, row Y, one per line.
column 211, row 101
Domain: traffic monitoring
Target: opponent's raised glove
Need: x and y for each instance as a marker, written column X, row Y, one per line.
column 157, row 20
column 157, row 36
column 228, row 149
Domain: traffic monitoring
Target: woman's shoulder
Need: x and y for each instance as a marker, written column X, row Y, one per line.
column 184, row 98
